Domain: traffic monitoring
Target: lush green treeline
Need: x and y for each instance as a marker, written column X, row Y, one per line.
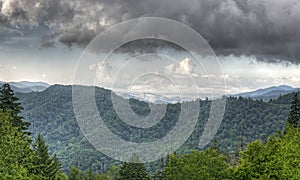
column 273, row 157
column 276, row 158
column 51, row 114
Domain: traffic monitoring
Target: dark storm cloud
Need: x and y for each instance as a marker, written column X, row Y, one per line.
column 259, row 27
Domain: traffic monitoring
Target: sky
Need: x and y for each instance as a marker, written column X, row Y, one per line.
column 256, row 42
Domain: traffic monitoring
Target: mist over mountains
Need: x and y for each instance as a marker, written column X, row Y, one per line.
column 27, row 86
column 265, row 94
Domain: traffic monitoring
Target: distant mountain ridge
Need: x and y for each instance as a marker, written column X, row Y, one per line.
column 27, row 86
column 264, row 93
column 268, row 93
column 52, row 115
column 154, row 98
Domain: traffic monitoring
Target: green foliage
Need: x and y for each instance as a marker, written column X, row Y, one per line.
column 294, row 116
column 133, row 170
column 278, row 158
column 15, row 153
column 207, row 164
column 76, row 174
column 9, row 103
column 51, row 114
column 44, row 165
column 215, row 145
column 17, row 159
column 113, row 172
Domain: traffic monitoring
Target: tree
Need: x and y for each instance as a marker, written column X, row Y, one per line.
column 279, row 158
column 207, row 164
column 294, row 116
column 215, row 145
column 9, row 103
column 113, row 172
column 15, row 152
column 75, row 174
column 89, row 175
column 45, row 165
column 133, row 170
column 159, row 174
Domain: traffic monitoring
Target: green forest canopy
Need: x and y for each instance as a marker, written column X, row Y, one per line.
column 245, row 121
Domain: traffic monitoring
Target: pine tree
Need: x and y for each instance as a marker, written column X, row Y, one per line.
column 133, row 170
column 45, row 165
column 75, row 174
column 215, row 145
column 9, row 103
column 294, row 116
column 15, row 153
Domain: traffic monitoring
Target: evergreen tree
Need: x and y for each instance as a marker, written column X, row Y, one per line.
column 113, row 172
column 9, row 102
column 45, row 165
column 215, row 145
column 75, row 174
column 133, row 170
column 89, row 175
column 294, row 116
column 15, row 153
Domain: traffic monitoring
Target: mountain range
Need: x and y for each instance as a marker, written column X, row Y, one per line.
column 51, row 114
column 27, row 86
column 268, row 93
column 264, row 93
column 154, row 98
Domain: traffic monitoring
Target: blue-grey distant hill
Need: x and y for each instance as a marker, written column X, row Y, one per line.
column 269, row 93
column 26, row 86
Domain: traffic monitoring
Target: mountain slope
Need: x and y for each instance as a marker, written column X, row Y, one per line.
column 51, row 114
column 268, row 93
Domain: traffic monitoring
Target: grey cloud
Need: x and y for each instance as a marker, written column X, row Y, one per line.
column 256, row 27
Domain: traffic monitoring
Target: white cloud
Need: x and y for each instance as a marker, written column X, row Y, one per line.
column 240, row 73
column 184, row 67
column 102, row 70
column 187, row 65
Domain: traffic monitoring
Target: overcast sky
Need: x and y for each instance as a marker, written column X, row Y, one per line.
column 257, row 41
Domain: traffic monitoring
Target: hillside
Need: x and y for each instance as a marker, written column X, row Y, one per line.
column 51, row 114
column 268, row 93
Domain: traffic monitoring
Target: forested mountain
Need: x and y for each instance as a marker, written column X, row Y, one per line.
column 268, row 93
column 51, row 114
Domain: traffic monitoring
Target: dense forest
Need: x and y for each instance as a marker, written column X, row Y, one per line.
column 254, row 140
